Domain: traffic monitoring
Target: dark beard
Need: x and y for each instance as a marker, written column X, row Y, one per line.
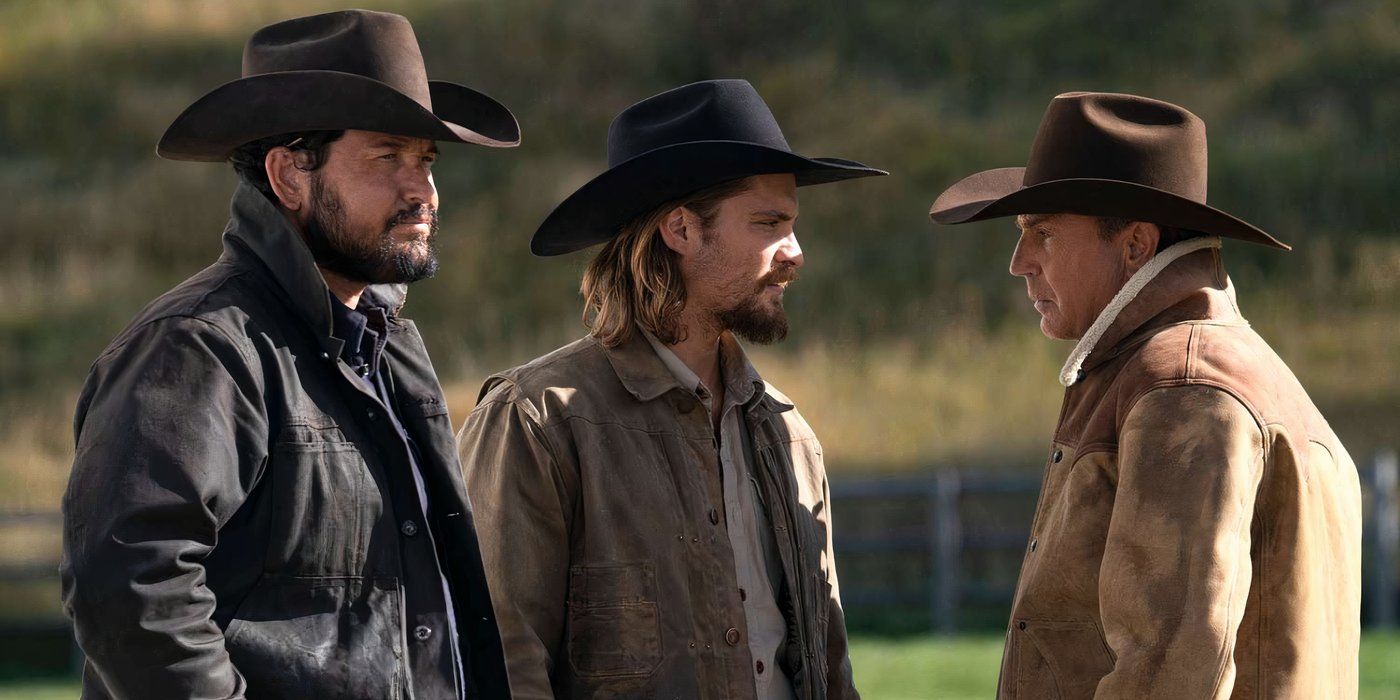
column 381, row 261
column 750, row 321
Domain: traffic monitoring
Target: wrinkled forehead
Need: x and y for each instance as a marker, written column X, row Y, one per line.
column 359, row 138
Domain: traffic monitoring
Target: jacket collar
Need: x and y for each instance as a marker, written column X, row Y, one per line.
column 255, row 225
column 1193, row 288
column 645, row 376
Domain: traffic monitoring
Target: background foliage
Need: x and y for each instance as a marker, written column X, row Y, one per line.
column 912, row 347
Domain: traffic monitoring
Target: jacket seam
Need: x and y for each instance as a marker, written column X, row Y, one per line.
column 1189, row 367
column 1232, row 633
column 188, row 310
column 1259, row 421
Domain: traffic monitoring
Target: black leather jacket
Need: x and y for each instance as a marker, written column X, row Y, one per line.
column 228, row 526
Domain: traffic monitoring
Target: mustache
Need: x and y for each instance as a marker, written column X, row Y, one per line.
column 779, row 275
column 413, row 215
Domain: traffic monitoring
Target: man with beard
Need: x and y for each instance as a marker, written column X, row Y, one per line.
column 655, row 517
column 266, row 499
column 1199, row 529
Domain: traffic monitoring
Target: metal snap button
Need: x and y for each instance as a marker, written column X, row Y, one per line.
column 409, row 528
column 1057, row 455
column 1033, row 543
column 422, row 632
column 732, row 636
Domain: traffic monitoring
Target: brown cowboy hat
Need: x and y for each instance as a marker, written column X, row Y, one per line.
column 1105, row 154
column 353, row 69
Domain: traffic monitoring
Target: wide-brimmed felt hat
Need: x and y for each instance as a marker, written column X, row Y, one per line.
column 1110, row 155
column 674, row 144
column 353, row 69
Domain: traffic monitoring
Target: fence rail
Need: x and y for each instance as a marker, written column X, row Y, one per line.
column 945, row 540
column 939, row 528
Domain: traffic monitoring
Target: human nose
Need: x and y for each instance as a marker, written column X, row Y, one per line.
column 789, row 251
column 1021, row 263
column 418, row 186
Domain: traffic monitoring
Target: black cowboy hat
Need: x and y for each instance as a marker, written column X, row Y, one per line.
column 674, row 144
column 354, row 69
column 1105, row 154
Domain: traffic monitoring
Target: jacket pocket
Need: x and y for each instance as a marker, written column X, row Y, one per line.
column 614, row 629
column 1059, row 658
column 319, row 637
column 325, row 502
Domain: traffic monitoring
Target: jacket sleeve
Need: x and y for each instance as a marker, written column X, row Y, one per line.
column 840, row 679
column 523, row 508
column 171, row 434
column 1176, row 567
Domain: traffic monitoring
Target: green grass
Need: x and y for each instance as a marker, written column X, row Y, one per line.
column 917, row 668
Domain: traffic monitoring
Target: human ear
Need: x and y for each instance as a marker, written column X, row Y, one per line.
column 1140, row 244
column 679, row 231
column 290, row 183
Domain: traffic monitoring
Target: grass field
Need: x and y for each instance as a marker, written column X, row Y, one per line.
column 917, row 668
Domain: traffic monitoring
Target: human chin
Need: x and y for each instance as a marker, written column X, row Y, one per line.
column 1053, row 324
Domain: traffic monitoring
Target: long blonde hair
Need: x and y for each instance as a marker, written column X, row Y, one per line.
column 635, row 280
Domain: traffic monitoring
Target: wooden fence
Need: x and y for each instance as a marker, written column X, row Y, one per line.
column 937, row 546
column 947, row 526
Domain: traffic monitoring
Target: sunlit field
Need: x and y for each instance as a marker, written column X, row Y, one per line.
column 918, row 668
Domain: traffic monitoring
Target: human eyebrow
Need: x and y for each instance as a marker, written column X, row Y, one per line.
column 775, row 214
column 402, row 144
column 1031, row 220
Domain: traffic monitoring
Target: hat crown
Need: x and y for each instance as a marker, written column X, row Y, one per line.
column 1120, row 137
column 377, row 45
column 711, row 110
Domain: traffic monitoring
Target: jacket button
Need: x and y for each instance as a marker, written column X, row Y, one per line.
column 1033, row 543
column 326, row 356
column 759, row 666
column 409, row 528
column 422, row 632
column 714, row 517
column 732, row 636
column 1021, row 625
column 1056, row 456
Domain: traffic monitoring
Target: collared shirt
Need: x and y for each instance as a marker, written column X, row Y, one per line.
column 756, row 561
column 364, row 331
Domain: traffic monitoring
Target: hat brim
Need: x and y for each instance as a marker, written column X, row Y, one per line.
column 996, row 193
column 597, row 210
column 265, row 105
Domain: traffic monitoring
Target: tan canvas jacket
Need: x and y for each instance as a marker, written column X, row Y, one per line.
column 593, row 473
column 1199, row 527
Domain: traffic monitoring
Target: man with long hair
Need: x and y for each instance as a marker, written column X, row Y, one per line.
column 654, row 516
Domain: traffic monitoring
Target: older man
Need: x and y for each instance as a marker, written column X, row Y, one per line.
column 266, row 500
column 655, row 517
column 1199, row 532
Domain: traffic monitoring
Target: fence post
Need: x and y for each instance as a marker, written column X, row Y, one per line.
column 947, row 548
column 1385, row 510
